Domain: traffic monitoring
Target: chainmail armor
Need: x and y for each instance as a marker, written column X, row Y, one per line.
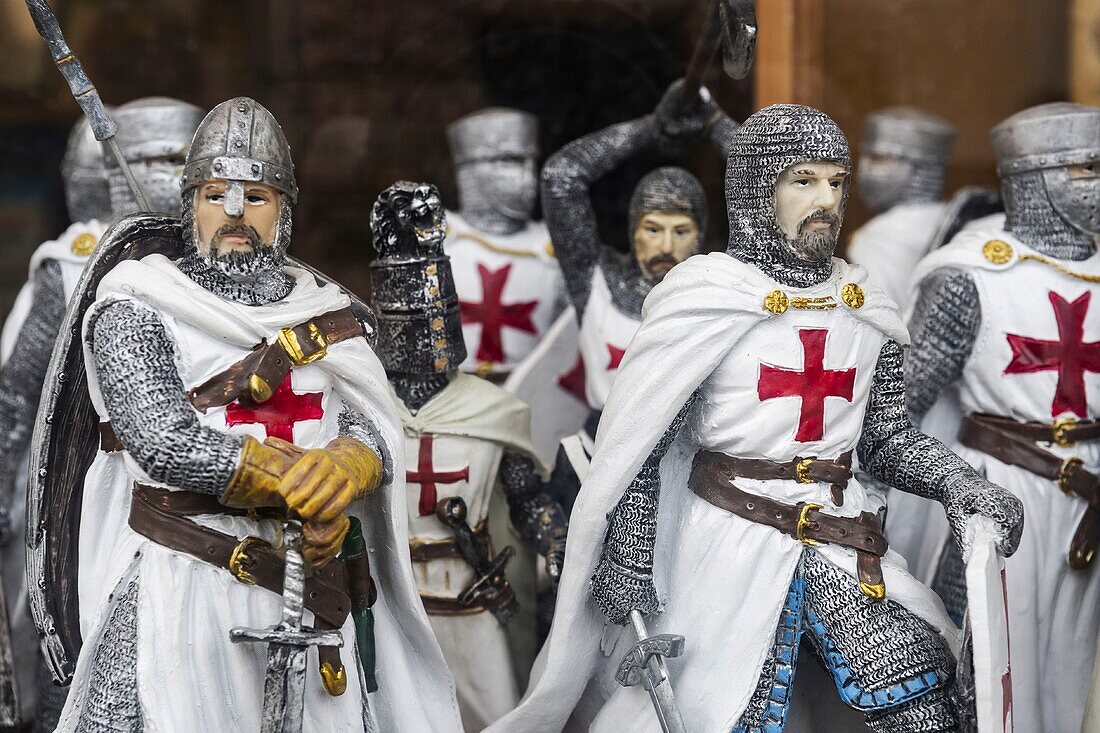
column 111, row 703
column 944, row 327
column 769, row 142
column 893, row 451
column 51, row 700
column 1031, row 217
column 931, row 713
column 415, row 390
column 147, row 402
column 949, row 582
column 537, row 516
column 623, row 579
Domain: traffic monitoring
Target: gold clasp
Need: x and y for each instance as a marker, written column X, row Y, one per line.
column 802, row 470
column 804, row 523
column 240, row 560
column 1060, row 426
column 293, row 348
column 1063, row 474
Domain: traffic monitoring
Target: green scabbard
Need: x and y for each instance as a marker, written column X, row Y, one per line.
column 354, row 555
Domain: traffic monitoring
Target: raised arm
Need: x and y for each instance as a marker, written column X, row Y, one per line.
column 895, row 452
column 537, row 516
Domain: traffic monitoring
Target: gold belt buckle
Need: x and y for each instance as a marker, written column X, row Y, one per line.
column 289, row 341
column 1063, row 474
column 240, row 560
column 804, row 523
column 802, row 470
column 1060, row 426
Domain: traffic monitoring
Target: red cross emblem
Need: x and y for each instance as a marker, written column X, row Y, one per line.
column 573, row 381
column 494, row 316
column 811, row 386
column 615, row 357
column 280, row 413
column 426, row 476
column 1071, row 356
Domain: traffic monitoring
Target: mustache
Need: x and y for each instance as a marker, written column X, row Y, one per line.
column 819, row 216
column 662, row 260
column 243, row 230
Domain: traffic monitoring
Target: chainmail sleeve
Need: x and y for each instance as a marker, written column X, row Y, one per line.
column 567, row 203
column 720, row 133
column 944, row 326
column 22, row 377
column 895, row 452
column 536, row 515
column 147, row 402
column 354, row 425
column 623, row 579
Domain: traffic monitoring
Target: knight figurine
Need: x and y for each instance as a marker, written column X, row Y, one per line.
column 667, row 222
column 725, row 501
column 509, row 284
column 903, row 161
column 1003, row 317
column 156, row 133
column 464, row 436
column 229, row 391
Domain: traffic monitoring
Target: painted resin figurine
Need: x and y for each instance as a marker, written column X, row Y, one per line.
column 154, row 134
column 900, row 173
column 667, row 223
column 233, row 391
column 724, row 499
column 508, row 282
column 463, row 437
column 1004, row 315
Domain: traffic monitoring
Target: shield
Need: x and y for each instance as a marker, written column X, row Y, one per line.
column 987, row 624
column 551, row 381
column 969, row 203
column 66, row 439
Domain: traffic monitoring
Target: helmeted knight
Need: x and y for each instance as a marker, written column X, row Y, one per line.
column 152, row 129
column 725, row 499
column 463, row 437
column 900, row 175
column 230, row 388
column 1005, row 316
column 509, row 284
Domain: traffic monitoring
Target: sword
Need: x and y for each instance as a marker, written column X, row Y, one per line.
column 645, row 663
column 103, row 127
column 288, row 642
column 731, row 24
column 490, row 583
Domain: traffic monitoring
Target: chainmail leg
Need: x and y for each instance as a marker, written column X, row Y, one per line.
column 111, row 703
column 944, row 327
column 932, row 713
column 950, row 582
column 147, row 402
column 623, row 579
column 880, row 654
column 51, row 701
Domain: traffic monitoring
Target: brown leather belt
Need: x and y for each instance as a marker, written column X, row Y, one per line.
column 427, row 550
column 1013, row 443
column 1063, row 432
column 437, row 606
column 803, row 470
column 711, row 479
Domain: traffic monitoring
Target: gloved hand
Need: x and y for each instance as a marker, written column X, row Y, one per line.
column 981, row 497
column 618, row 591
column 321, row 541
column 678, row 124
column 554, row 558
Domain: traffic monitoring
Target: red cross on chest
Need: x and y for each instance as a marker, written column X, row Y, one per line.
column 494, row 315
column 280, row 413
column 428, row 477
column 1071, row 356
column 615, row 357
column 573, row 380
column 811, row 386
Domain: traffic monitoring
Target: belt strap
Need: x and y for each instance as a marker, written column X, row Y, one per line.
column 803, row 521
column 251, row 560
column 1065, row 431
column 804, row 470
column 439, row 606
column 428, row 550
column 997, row 438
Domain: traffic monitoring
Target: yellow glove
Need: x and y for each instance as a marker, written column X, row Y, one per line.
column 324, row 481
column 255, row 483
column 321, row 541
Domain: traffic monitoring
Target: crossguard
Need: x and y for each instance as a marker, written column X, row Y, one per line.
column 303, row 637
column 492, row 580
column 635, row 665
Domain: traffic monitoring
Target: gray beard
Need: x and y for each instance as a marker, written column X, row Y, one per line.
column 814, row 246
column 252, row 278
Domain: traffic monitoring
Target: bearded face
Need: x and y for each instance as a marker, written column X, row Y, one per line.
column 239, row 246
column 809, row 201
column 662, row 240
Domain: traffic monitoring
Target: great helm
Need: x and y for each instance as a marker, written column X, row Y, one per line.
column 905, row 132
column 240, row 142
column 1045, row 140
column 492, row 134
column 84, row 174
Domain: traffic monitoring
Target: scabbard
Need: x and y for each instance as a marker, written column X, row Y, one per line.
column 363, row 594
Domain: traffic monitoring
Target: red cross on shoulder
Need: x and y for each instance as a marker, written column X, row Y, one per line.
column 1071, row 356
column 494, row 315
column 811, row 386
column 280, row 413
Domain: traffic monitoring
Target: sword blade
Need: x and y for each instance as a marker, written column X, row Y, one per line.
column 284, row 689
column 660, row 685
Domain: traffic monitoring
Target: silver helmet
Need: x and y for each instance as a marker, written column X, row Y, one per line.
column 905, row 154
column 154, row 134
column 84, row 176
column 494, row 152
column 1057, row 145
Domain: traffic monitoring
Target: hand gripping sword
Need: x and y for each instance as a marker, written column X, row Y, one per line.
column 103, row 127
column 288, row 642
column 645, row 663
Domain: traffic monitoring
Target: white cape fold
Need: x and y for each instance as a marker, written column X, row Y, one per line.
column 416, row 691
column 700, row 311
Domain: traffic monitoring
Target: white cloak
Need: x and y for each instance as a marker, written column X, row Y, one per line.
column 891, row 244
column 185, row 605
column 697, row 315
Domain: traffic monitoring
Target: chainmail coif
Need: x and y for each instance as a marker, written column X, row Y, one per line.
column 769, row 142
column 1031, row 217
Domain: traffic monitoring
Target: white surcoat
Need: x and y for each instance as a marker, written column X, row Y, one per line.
column 1037, row 359
column 891, row 244
column 510, row 290
column 605, row 333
